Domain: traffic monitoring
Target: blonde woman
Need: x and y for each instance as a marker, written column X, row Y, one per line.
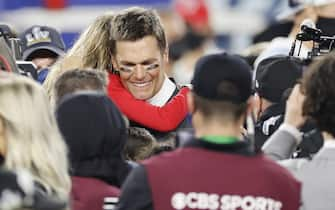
column 91, row 50
column 29, row 136
column 94, row 50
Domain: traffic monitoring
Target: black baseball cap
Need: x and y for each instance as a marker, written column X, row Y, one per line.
column 276, row 74
column 41, row 38
column 212, row 70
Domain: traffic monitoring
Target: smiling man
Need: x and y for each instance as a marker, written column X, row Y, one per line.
column 140, row 64
column 140, row 55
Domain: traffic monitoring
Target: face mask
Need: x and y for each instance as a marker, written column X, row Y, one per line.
column 42, row 75
column 327, row 25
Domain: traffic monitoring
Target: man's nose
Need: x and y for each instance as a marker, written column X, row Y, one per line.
column 139, row 72
column 38, row 64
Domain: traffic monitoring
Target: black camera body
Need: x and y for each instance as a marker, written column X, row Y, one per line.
column 322, row 43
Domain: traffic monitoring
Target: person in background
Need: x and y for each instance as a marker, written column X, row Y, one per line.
column 95, row 132
column 313, row 99
column 42, row 45
column 191, row 47
column 29, row 136
column 321, row 12
column 275, row 76
column 80, row 80
column 212, row 167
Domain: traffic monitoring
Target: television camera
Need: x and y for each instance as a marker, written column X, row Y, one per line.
column 321, row 43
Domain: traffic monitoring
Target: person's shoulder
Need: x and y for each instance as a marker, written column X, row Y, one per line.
column 274, row 169
column 163, row 158
column 294, row 165
column 82, row 184
column 90, row 193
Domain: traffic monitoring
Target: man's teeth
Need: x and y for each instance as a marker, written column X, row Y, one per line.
column 141, row 84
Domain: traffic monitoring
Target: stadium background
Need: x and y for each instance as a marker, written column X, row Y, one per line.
column 234, row 22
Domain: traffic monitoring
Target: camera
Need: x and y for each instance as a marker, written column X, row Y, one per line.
column 321, row 43
column 11, row 54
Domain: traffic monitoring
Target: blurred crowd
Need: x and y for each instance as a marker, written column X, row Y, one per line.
column 146, row 111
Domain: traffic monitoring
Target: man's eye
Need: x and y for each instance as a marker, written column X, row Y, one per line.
column 126, row 69
column 152, row 66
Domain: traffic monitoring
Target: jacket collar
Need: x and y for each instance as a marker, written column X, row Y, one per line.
column 242, row 147
column 273, row 110
column 164, row 94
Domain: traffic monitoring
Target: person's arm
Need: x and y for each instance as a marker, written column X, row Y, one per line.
column 164, row 118
column 284, row 141
column 135, row 192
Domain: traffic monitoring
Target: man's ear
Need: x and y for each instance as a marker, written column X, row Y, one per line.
column 166, row 55
column 256, row 105
column 190, row 102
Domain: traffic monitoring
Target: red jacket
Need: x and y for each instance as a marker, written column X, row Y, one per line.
column 164, row 118
column 89, row 193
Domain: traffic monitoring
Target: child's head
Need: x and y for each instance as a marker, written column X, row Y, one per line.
column 78, row 80
column 140, row 144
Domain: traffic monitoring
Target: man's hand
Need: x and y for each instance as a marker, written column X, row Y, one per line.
column 293, row 113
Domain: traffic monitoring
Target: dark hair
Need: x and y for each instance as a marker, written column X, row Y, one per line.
column 42, row 53
column 318, row 85
column 165, row 143
column 221, row 108
column 135, row 23
column 139, row 145
column 79, row 79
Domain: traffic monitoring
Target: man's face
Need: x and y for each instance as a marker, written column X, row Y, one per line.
column 141, row 65
column 42, row 63
column 43, row 58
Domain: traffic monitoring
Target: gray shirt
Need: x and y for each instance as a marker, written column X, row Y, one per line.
column 317, row 175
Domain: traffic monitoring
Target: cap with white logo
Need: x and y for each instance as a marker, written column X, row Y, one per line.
column 41, row 38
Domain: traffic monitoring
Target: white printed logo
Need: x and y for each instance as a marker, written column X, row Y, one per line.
column 213, row 201
column 269, row 123
column 37, row 35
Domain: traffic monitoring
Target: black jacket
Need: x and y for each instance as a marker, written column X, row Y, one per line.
column 269, row 122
